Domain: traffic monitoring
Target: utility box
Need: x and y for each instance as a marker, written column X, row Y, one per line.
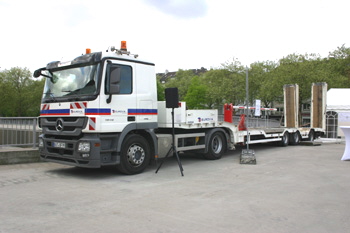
column 291, row 105
column 184, row 118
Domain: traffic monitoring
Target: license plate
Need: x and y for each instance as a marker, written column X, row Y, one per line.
column 59, row 144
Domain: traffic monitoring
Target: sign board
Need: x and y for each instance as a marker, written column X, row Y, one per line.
column 257, row 107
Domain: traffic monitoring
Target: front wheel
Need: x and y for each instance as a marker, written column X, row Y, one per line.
column 135, row 155
column 217, row 146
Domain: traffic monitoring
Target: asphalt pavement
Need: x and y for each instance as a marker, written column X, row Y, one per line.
column 290, row 189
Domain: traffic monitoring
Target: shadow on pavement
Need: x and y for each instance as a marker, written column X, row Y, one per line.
column 111, row 171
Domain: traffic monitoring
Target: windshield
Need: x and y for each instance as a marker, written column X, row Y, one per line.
column 72, row 82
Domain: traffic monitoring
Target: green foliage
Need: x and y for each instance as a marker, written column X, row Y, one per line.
column 234, row 84
column 182, row 81
column 160, row 89
column 20, row 95
column 266, row 79
column 260, row 76
column 307, row 69
column 220, row 85
column 196, row 97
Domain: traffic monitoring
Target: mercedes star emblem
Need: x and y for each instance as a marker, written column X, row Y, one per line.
column 59, row 125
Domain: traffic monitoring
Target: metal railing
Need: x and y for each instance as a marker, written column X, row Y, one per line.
column 255, row 122
column 19, row 131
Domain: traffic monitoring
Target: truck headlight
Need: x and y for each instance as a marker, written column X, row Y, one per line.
column 84, row 147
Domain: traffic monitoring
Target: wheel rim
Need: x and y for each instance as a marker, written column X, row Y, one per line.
column 311, row 136
column 217, row 144
column 136, row 155
column 285, row 138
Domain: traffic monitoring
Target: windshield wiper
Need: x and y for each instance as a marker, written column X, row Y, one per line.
column 74, row 98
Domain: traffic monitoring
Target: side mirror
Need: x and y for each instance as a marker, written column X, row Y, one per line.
column 37, row 73
column 114, row 80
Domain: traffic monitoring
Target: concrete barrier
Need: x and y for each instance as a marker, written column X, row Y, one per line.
column 15, row 155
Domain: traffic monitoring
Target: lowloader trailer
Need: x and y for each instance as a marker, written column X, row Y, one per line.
column 101, row 109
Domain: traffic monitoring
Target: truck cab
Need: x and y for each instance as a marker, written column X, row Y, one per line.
column 94, row 103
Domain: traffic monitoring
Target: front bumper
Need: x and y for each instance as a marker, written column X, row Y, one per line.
column 65, row 151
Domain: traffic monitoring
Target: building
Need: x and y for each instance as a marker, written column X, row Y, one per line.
column 166, row 76
column 338, row 111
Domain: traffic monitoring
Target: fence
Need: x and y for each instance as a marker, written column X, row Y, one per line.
column 18, row 131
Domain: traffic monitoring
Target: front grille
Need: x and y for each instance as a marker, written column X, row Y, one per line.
column 71, row 126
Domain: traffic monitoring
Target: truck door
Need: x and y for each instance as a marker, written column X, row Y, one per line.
column 119, row 95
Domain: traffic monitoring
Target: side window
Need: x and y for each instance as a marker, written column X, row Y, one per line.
column 125, row 78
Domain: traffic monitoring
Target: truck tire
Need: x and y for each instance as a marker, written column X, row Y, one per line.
column 311, row 136
column 217, row 146
column 135, row 155
column 295, row 138
column 285, row 139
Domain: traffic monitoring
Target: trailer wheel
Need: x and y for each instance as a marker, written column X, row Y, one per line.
column 311, row 135
column 285, row 139
column 295, row 138
column 135, row 155
column 217, row 146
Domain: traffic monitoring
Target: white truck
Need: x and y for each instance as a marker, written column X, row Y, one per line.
column 101, row 109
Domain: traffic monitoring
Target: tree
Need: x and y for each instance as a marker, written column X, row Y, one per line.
column 339, row 62
column 219, row 87
column 160, row 91
column 196, row 97
column 235, row 84
column 260, row 82
column 341, row 52
column 182, row 81
column 20, row 94
column 307, row 69
column 35, row 89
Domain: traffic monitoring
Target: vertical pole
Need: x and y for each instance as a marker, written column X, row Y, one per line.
column 247, row 156
column 34, row 132
column 2, row 123
column 173, row 129
column 247, row 103
column 173, row 146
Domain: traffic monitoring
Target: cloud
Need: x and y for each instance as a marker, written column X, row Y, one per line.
column 186, row 9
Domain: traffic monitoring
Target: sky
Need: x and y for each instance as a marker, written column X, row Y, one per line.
column 174, row 34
